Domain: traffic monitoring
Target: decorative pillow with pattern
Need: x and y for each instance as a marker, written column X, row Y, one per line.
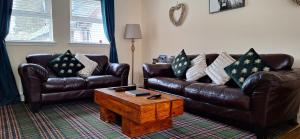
column 216, row 71
column 180, row 64
column 247, row 64
column 197, row 69
column 66, row 65
column 90, row 65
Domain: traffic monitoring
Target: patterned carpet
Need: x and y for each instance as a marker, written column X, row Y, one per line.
column 81, row 120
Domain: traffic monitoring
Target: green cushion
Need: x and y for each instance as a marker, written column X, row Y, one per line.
column 66, row 65
column 247, row 64
column 180, row 64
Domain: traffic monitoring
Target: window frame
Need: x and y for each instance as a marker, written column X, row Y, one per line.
column 91, row 20
column 30, row 43
column 35, row 14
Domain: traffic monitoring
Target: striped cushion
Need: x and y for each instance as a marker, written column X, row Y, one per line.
column 216, row 70
column 90, row 65
column 197, row 69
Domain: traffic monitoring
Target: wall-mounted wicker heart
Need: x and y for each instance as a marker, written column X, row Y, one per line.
column 297, row 1
column 179, row 21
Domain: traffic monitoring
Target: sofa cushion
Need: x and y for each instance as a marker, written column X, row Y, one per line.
column 103, row 81
column 218, row 95
column 247, row 64
column 216, row 70
column 197, row 69
column 66, row 65
column 89, row 68
column 170, row 85
column 180, row 65
column 64, row 84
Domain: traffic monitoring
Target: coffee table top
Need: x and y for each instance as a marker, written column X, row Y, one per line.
column 135, row 101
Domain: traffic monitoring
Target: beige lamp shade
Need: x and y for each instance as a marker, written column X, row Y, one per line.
column 133, row 31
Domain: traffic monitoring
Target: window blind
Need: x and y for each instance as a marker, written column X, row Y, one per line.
column 31, row 20
column 86, row 22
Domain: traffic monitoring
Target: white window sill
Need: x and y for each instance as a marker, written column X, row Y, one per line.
column 31, row 43
column 75, row 44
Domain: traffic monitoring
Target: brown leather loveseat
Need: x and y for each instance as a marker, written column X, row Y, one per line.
column 267, row 98
column 41, row 85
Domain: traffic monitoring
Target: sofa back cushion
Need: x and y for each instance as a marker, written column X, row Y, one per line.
column 102, row 62
column 43, row 60
column 275, row 61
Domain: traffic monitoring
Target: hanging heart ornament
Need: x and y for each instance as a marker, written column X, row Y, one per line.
column 179, row 21
column 297, row 1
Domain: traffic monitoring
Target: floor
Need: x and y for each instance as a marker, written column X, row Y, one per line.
column 293, row 134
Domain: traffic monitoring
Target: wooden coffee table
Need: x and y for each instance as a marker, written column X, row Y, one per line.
column 139, row 115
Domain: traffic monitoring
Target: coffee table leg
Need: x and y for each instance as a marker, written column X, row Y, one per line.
column 107, row 115
column 133, row 129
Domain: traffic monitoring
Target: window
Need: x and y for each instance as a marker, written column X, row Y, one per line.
column 31, row 20
column 86, row 22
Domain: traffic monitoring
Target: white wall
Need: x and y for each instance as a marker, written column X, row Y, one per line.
column 127, row 11
column 268, row 26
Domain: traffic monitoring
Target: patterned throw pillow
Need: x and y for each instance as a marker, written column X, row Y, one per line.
column 197, row 69
column 180, row 64
column 216, row 71
column 246, row 65
column 66, row 65
column 90, row 65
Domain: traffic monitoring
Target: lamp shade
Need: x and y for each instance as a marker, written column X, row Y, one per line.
column 133, row 31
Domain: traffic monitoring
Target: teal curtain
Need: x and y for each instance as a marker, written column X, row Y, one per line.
column 108, row 16
column 8, row 90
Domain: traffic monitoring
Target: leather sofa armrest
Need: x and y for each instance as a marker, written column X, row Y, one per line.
column 32, row 77
column 271, row 81
column 28, row 70
column 274, row 96
column 157, row 70
column 119, row 70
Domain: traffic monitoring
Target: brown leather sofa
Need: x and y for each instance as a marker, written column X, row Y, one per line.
column 42, row 86
column 266, row 100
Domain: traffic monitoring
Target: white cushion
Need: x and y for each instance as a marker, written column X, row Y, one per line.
column 90, row 65
column 216, row 70
column 197, row 69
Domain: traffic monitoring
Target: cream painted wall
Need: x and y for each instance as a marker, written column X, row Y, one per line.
column 127, row 11
column 269, row 26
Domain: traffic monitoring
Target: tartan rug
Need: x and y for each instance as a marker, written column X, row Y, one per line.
column 82, row 120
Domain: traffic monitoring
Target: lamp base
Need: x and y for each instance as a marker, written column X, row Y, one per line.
column 132, row 61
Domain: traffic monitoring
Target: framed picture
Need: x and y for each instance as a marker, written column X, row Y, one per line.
column 162, row 58
column 170, row 59
column 216, row 6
